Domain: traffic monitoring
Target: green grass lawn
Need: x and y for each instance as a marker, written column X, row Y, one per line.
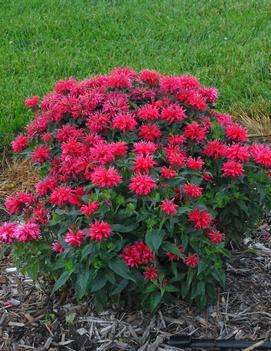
column 224, row 43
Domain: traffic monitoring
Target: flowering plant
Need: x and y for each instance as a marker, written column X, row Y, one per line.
column 142, row 183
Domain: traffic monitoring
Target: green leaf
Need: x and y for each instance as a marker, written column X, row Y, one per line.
column 155, row 300
column 167, row 246
column 154, row 239
column 219, row 276
column 69, row 266
column 120, row 268
column 59, row 211
column 182, row 210
column 87, row 250
column 172, row 288
column 99, row 282
column 196, row 180
column 61, row 281
column 83, row 282
column 33, row 270
column 120, row 228
column 121, row 286
column 202, row 266
column 70, row 318
column 150, row 288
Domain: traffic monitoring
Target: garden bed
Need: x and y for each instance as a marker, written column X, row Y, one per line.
column 31, row 319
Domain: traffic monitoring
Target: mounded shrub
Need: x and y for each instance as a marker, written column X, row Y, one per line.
column 142, row 185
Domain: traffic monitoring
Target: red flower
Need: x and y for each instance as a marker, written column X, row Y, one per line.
column 223, row 119
column 194, row 163
column 173, row 113
column 40, row 215
column 46, row 137
column 7, row 231
column 215, row 148
column 136, row 254
column 143, row 164
column 57, row 247
column 176, row 139
column 170, row 84
column 188, row 82
column 150, row 77
column 98, row 122
column 16, row 203
column 20, row 143
column 191, row 260
column 41, row 154
column 201, row 219
column 119, row 149
column 64, row 195
column 99, row 230
column 232, row 169
column 102, row 153
column 209, row 94
column 115, row 102
column 207, row 176
column 65, row 86
column 193, row 99
column 237, row 152
column 27, row 232
column 119, row 80
column 90, row 208
column 150, row 273
column 168, row 207
column 142, row 184
column 32, row 102
column 261, row 154
column 105, row 178
column 144, row 148
column 215, row 236
column 174, row 156
column 73, row 238
column 194, row 131
column 172, row 257
column 149, row 132
column 236, row 133
column 192, row 190
column 167, row 172
column 66, row 132
column 148, row 112
column 124, row 122
column 46, row 185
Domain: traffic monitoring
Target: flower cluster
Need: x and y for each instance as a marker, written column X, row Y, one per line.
column 138, row 169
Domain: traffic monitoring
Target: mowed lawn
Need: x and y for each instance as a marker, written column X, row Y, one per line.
column 224, row 43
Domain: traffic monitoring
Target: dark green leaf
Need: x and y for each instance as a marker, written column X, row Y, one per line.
column 219, row 276
column 99, row 282
column 121, row 228
column 154, row 239
column 83, row 282
column 121, row 286
column 61, row 280
column 167, row 246
column 155, row 300
column 120, row 268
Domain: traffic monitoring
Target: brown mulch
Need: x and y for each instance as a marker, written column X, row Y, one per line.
column 16, row 176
